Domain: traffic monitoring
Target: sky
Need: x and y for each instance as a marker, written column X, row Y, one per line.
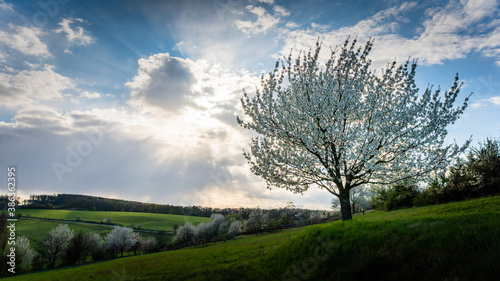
column 138, row 100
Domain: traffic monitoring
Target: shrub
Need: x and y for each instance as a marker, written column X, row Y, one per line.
column 184, row 234
column 272, row 225
column 256, row 221
column 120, row 239
column 201, row 231
column 216, row 221
column 235, row 228
column 56, row 243
column 400, row 195
column 25, row 254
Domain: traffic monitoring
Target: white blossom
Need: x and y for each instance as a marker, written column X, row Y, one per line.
column 120, row 239
column 215, row 222
column 57, row 242
column 201, row 231
column 24, row 252
column 91, row 243
column 184, row 234
column 257, row 220
column 341, row 125
column 234, row 228
column 148, row 245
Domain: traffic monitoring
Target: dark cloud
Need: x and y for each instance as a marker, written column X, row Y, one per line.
column 163, row 82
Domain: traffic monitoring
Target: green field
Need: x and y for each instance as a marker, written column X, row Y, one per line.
column 147, row 220
column 457, row 241
column 38, row 230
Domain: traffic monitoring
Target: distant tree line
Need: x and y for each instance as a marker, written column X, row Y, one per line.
column 476, row 175
column 92, row 203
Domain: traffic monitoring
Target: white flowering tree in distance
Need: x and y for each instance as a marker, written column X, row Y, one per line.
column 341, row 125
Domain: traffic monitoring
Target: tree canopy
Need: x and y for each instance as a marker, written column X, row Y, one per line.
column 339, row 125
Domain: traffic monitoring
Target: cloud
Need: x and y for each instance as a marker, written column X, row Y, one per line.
column 6, row 6
column 280, row 11
column 485, row 102
column 76, row 36
column 44, row 118
column 447, row 33
column 162, row 81
column 27, row 86
column 291, row 24
column 451, row 32
column 264, row 21
column 191, row 157
column 90, row 95
column 118, row 153
column 25, row 40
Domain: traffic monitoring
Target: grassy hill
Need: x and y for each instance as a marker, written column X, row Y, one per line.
column 38, row 230
column 147, row 220
column 457, row 241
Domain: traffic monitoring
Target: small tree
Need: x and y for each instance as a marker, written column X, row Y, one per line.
column 223, row 227
column 120, row 239
column 215, row 222
column 92, row 243
column 256, row 221
column 340, row 125
column 3, row 231
column 201, row 231
column 234, row 228
column 75, row 249
column 139, row 241
column 56, row 244
column 233, row 216
column 148, row 245
column 184, row 234
column 316, row 216
column 24, row 253
column 484, row 165
column 175, row 226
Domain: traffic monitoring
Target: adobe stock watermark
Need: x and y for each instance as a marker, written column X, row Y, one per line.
column 485, row 87
column 11, row 218
column 218, row 177
column 48, row 9
column 310, row 264
column 121, row 276
column 76, row 154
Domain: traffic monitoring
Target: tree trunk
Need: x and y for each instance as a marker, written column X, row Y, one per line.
column 345, row 206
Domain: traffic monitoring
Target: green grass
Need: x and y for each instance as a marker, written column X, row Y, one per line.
column 457, row 241
column 406, row 245
column 148, row 220
column 198, row 263
column 38, row 230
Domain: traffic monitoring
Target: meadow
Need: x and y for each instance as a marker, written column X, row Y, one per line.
column 146, row 220
column 455, row 241
column 38, row 230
